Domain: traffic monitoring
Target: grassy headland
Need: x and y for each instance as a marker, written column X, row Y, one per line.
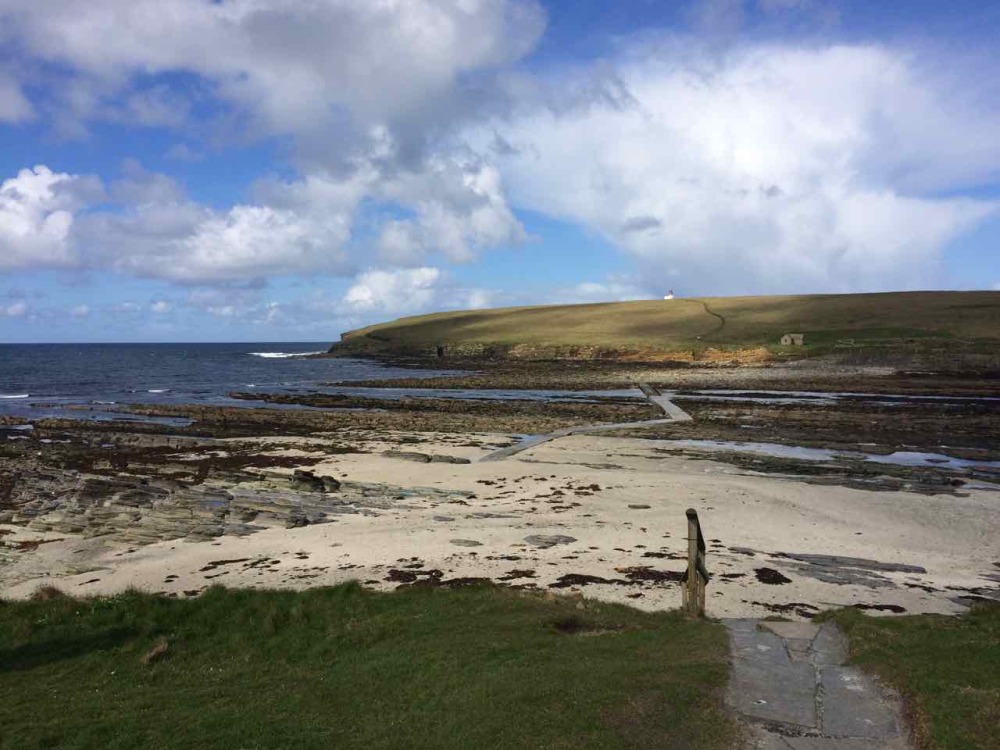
column 743, row 329
column 348, row 668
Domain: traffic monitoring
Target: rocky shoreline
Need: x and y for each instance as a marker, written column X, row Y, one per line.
column 287, row 463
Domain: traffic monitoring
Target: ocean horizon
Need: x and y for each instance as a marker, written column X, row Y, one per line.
column 96, row 380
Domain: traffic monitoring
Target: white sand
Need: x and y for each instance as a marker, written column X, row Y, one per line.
column 957, row 539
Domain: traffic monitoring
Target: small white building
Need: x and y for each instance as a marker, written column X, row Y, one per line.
column 793, row 339
column 669, row 295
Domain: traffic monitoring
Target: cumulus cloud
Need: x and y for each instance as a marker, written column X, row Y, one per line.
column 460, row 208
column 14, row 310
column 193, row 244
column 153, row 230
column 36, row 217
column 290, row 65
column 747, row 167
column 394, row 292
column 781, row 168
column 406, row 291
column 145, row 225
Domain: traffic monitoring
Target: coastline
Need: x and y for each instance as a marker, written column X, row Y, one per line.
column 600, row 515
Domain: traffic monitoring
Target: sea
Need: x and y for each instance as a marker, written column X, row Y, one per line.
column 97, row 381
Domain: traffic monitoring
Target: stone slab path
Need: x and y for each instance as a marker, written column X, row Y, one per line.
column 672, row 412
column 790, row 685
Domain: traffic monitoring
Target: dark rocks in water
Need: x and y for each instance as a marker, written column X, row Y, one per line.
column 546, row 541
column 771, row 576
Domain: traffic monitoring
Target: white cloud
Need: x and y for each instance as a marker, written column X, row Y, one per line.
column 15, row 310
column 80, row 311
column 377, row 294
column 763, row 167
column 780, row 169
column 36, row 218
column 298, row 227
column 193, row 244
column 460, row 208
column 293, row 65
column 393, row 292
column 160, row 307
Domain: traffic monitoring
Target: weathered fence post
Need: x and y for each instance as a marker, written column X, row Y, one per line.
column 696, row 576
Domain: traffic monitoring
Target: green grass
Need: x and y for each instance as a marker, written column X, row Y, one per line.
column 947, row 668
column 347, row 668
column 968, row 319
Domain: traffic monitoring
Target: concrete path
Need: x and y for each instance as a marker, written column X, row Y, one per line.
column 672, row 411
column 790, row 685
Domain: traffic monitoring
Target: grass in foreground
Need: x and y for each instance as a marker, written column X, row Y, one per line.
column 947, row 668
column 348, row 668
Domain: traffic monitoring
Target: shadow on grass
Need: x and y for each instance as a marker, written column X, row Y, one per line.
column 32, row 655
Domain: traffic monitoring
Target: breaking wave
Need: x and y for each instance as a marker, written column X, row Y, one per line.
column 283, row 355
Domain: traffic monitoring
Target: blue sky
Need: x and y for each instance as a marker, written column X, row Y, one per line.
column 186, row 170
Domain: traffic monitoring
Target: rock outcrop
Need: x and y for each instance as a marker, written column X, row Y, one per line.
column 143, row 509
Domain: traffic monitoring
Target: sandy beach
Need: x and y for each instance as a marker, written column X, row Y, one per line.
column 599, row 515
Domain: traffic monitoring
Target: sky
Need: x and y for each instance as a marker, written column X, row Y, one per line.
column 285, row 170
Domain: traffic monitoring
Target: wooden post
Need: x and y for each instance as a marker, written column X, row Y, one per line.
column 696, row 575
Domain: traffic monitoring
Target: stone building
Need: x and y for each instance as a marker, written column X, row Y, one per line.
column 793, row 339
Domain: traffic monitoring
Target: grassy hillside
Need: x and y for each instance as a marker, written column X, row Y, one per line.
column 697, row 328
column 475, row 667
